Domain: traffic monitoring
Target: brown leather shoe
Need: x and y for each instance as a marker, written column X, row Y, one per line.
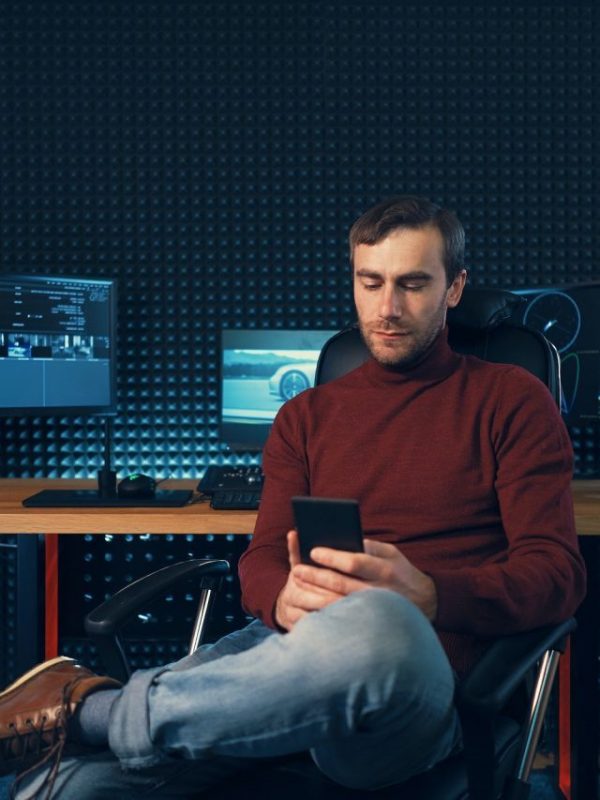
column 35, row 710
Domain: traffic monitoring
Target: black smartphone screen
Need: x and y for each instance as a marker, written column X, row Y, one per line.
column 327, row 522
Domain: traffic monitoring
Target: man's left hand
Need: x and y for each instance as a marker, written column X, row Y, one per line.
column 382, row 566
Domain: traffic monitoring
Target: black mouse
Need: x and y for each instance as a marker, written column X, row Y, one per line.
column 137, row 485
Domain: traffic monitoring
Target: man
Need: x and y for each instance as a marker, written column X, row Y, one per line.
column 462, row 470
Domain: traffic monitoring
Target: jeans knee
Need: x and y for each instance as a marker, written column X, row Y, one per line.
column 373, row 633
column 391, row 630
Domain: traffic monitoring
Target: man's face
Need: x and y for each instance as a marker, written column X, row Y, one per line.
column 401, row 294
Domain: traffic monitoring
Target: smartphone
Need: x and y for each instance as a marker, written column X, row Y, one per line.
column 327, row 522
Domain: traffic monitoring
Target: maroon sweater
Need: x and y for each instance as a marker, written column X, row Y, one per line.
column 465, row 465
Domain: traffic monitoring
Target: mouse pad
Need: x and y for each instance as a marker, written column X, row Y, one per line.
column 88, row 498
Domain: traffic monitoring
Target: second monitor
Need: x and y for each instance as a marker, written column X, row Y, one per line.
column 260, row 370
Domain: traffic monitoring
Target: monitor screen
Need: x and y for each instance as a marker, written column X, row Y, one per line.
column 569, row 318
column 260, row 370
column 57, row 345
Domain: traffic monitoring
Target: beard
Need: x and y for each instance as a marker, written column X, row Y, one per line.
column 410, row 348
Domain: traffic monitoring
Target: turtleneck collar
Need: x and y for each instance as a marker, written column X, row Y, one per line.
column 439, row 362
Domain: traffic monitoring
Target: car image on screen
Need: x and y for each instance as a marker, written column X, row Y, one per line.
column 291, row 379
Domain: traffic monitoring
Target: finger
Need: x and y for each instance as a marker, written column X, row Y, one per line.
column 326, row 580
column 382, row 549
column 309, row 587
column 308, row 599
column 292, row 617
column 295, row 616
column 293, row 548
column 361, row 565
column 307, row 592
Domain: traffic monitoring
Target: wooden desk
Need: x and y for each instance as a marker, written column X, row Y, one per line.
column 196, row 518
column 586, row 499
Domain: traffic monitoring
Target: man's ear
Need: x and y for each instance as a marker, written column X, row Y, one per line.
column 455, row 289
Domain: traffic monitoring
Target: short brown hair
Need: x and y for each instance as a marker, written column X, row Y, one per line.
column 412, row 211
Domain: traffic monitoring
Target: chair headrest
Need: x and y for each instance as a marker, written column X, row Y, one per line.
column 483, row 309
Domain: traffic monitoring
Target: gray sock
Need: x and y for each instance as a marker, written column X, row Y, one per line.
column 90, row 723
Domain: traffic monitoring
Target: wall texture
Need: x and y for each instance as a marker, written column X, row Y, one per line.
column 213, row 155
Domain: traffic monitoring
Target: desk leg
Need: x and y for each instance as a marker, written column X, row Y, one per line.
column 51, row 596
column 585, row 700
column 564, row 724
column 30, row 602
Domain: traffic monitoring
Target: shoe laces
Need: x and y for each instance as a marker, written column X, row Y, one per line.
column 34, row 736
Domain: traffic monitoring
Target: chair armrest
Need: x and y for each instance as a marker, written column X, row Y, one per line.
column 489, row 686
column 108, row 617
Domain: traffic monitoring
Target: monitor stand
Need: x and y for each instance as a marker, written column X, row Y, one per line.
column 105, row 496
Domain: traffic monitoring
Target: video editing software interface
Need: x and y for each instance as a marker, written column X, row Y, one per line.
column 56, row 344
column 260, row 370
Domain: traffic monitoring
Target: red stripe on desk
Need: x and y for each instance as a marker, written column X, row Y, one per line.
column 51, row 596
column 564, row 723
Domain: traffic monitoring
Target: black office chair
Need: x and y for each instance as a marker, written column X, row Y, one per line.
column 501, row 703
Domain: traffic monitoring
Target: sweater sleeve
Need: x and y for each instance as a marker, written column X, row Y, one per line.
column 264, row 567
column 540, row 578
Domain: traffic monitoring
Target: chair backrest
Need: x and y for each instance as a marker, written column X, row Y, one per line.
column 479, row 326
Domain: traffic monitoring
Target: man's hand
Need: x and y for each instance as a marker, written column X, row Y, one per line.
column 298, row 598
column 382, row 565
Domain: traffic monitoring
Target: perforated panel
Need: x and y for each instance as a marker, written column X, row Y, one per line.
column 8, row 611
column 212, row 156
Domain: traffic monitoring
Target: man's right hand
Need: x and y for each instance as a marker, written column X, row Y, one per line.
column 298, row 598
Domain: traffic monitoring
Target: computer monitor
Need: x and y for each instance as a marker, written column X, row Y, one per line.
column 260, row 370
column 57, row 345
column 569, row 317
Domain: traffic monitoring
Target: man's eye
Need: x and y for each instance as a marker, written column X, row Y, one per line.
column 414, row 287
column 371, row 285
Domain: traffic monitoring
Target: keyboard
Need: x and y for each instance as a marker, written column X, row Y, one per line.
column 235, row 500
column 233, row 487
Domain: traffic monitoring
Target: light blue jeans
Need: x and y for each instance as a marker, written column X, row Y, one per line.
column 363, row 684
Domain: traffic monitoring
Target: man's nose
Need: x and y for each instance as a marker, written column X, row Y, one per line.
column 391, row 304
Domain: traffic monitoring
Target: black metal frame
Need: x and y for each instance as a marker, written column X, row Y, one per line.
column 104, row 623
